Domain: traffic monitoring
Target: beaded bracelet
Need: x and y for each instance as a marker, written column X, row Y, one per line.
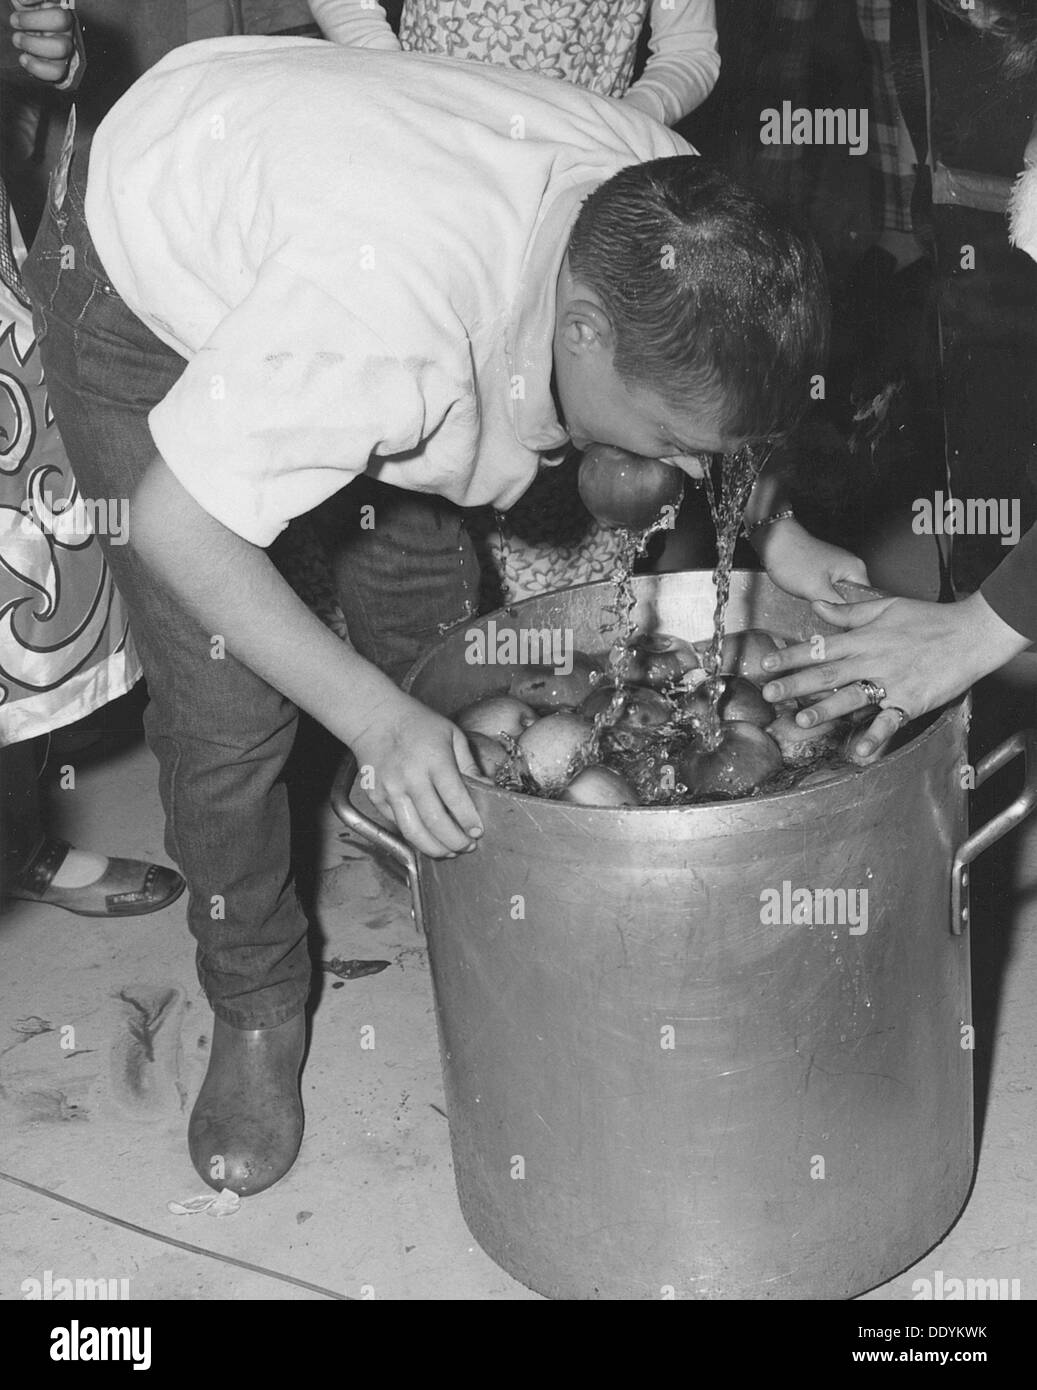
column 787, row 515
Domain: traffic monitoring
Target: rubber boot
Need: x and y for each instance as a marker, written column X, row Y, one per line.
column 247, row 1123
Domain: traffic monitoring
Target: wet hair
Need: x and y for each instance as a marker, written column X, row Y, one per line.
column 712, row 294
column 1012, row 22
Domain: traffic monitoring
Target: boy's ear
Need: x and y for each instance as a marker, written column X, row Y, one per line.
column 586, row 327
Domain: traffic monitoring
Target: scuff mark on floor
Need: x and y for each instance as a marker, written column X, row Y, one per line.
column 144, row 1062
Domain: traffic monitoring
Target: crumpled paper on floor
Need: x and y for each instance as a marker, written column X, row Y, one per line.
column 224, row 1203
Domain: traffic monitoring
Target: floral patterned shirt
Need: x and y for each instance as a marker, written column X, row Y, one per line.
column 591, row 43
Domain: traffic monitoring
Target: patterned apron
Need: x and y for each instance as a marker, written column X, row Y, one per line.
column 65, row 645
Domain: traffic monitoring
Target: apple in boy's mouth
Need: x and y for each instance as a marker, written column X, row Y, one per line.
column 621, row 489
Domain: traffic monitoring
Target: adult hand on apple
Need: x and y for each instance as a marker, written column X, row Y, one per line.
column 922, row 654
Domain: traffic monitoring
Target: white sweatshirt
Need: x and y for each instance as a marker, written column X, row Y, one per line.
column 363, row 281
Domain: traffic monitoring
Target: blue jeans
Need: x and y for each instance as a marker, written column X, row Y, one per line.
column 222, row 735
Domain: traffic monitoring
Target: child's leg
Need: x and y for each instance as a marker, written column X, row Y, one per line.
column 21, row 816
column 40, row 869
column 220, row 733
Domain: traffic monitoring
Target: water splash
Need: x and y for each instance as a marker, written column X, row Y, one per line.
column 738, row 475
column 633, row 544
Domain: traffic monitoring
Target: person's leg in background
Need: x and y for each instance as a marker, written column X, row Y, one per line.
column 405, row 569
column 21, row 817
column 37, row 868
column 221, row 735
column 45, row 678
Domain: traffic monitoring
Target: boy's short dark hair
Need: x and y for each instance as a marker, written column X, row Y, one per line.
column 711, row 293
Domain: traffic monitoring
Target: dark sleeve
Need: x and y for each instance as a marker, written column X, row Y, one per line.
column 1011, row 591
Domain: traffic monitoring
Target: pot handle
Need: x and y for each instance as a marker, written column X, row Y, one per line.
column 375, row 834
column 1024, row 742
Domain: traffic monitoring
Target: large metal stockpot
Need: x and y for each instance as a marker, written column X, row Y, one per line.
column 653, row 1089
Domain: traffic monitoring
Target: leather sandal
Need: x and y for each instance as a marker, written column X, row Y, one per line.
column 127, row 888
column 247, row 1123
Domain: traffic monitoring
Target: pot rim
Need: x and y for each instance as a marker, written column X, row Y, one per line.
column 504, row 795
column 945, row 716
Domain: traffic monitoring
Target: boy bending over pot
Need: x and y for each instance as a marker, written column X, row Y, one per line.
column 426, row 277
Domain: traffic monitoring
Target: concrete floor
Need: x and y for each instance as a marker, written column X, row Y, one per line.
column 370, row 1205
column 371, row 1200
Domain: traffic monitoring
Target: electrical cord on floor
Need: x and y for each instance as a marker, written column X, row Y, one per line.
column 168, row 1240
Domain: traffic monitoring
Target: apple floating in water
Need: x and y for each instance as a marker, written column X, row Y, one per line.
column 494, row 715
column 542, row 688
column 740, row 700
column 627, row 490
column 742, row 653
column 600, row 786
column 555, row 748
column 655, row 659
column 642, row 708
column 745, row 758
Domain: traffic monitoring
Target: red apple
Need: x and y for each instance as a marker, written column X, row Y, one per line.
column 555, row 748
column 642, row 708
column 743, row 652
column 540, row 687
column 494, row 715
column 600, row 786
column 655, row 659
column 627, row 490
column 740, row 700
column 746, row 758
